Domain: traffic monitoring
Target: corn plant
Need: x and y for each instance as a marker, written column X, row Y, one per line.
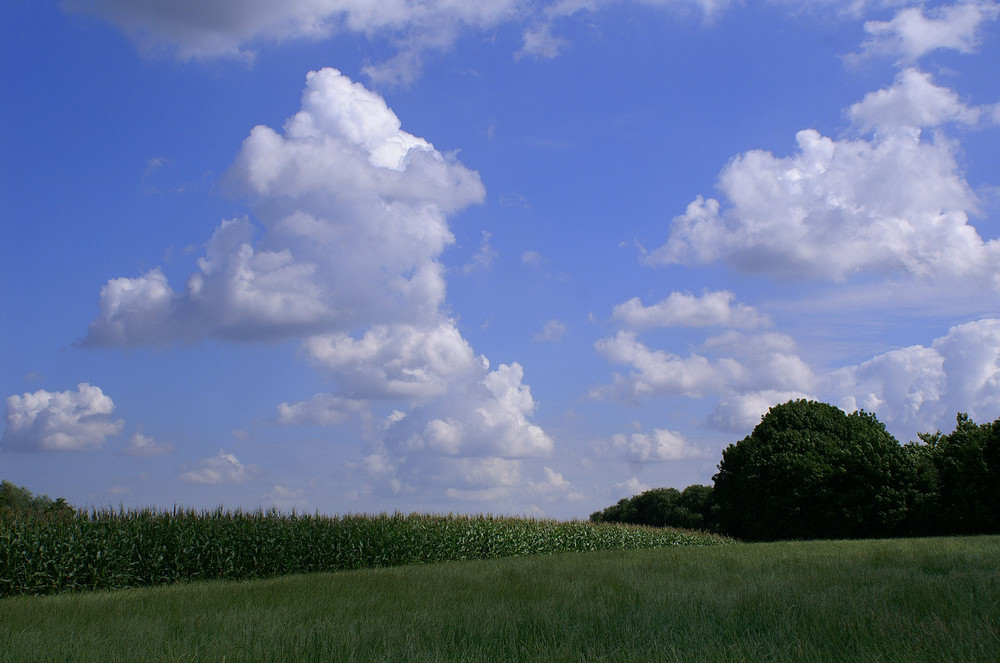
column 107, row 549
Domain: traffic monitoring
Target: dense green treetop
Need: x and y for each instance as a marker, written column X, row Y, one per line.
column 809, row 470
column 693, row 508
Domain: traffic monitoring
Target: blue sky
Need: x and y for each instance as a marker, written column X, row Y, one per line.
column 504, row 256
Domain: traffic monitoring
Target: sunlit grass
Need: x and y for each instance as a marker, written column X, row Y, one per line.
column 900, row 600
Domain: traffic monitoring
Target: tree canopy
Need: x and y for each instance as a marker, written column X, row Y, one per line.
column 693, row 508
column 18, row 501
column 809, row 470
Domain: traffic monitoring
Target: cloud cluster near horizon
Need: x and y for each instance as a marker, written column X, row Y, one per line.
column 889, row 200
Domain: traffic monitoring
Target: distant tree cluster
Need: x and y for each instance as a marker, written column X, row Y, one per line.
column 811, row 471
column 693, row 508
column 19, row 502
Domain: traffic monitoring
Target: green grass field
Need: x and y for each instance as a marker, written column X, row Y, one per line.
column 896, row 600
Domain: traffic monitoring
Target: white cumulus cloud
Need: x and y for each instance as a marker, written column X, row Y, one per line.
column 483, row 259
column 220, row 469
column 492, row 417
column 913, row 101
column 354, row 213
column 471, row 444
column 496, row 479
column 286, row 499
column 836, row 208
column 60, row 421
column 911, row 389
column 551, row 483
column 920, row 388
column 913, row 33
column 732, row 362
column 685, row 310
column 661, row 373
column 539, row 42
column 136, row 311
column 741, row 412
column 396, row 361
column 631, row 486
column 708, row 8
column 145, row 446
column 350, row 217
column 659, row 445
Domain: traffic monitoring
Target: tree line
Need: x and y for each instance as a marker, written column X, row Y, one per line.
column 811, row 471
column 19, row 502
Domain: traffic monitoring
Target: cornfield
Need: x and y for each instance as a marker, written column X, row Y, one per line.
column 111, row 549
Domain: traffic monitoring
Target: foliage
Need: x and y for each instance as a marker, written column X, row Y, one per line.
column 115, row 549
column 693, row 508
column 19, row 502
column 962, row 479
column 811, row 471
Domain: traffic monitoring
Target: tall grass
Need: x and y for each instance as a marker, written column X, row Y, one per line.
column 911, row 600
column 115, row 549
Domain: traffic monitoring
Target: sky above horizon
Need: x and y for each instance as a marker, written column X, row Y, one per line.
column 504, row 256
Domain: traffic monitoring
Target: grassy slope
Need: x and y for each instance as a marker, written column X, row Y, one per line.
column 904, row 600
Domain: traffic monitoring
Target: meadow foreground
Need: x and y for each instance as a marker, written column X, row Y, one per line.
column 876, row 600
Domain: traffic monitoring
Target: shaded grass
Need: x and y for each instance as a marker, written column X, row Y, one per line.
column 899, row 600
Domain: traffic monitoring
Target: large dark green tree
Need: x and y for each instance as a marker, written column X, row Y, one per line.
column 809, row 471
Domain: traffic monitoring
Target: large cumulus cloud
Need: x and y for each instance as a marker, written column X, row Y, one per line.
column 354, row 214
column 895, row 203
column 352, row 217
